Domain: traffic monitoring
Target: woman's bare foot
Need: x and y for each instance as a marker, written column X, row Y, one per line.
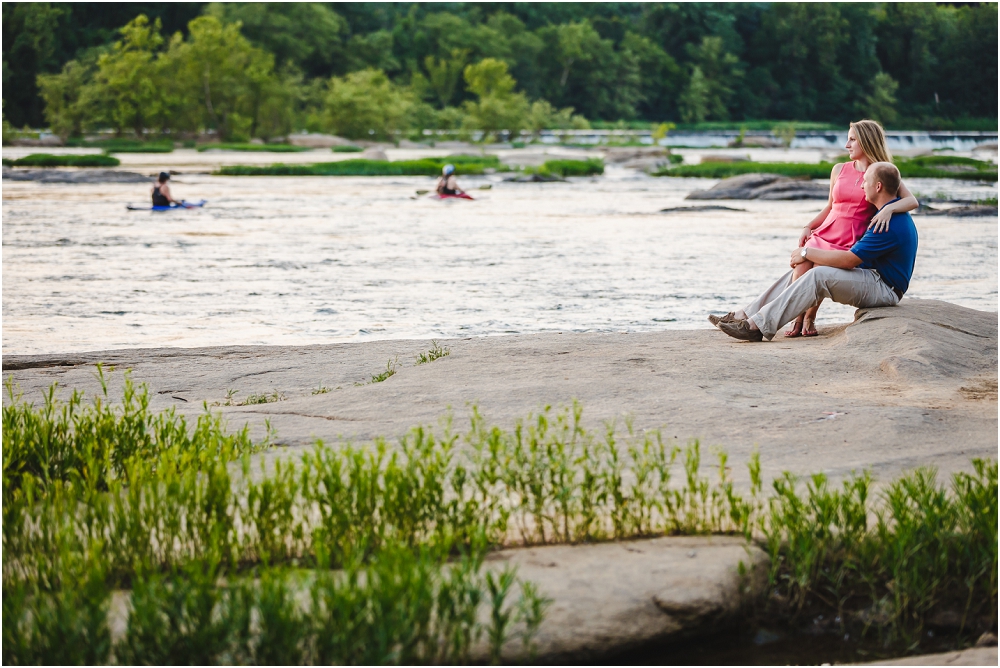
column 795, row 329
column 809, row 328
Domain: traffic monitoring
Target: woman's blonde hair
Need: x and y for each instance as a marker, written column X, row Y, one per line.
column 871, row 136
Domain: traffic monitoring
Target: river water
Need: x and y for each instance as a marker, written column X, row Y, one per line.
column 282, row 260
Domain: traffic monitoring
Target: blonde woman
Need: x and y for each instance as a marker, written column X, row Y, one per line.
column 848, row 214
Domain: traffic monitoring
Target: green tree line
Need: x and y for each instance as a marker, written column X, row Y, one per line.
column 264, row 69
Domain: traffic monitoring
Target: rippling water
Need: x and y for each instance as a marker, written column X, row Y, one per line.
column 311, row 260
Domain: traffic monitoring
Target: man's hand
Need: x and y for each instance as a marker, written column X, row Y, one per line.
column 797, row 258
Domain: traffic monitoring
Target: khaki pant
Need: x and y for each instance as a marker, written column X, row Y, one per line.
column 786, row 299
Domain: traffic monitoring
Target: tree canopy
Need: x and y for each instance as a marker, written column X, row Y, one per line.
column 274, row 67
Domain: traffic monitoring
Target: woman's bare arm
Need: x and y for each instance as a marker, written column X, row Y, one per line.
column 821, row 216
column 907, row 202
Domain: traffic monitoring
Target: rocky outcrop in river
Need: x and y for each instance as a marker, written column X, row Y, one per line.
column 74, row 176
column 764, row 186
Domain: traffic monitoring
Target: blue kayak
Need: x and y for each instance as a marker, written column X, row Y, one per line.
column 183, row 205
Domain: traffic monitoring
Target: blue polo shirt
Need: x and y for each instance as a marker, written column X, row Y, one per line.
column 890, row 253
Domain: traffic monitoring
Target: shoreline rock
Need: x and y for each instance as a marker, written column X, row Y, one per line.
column 908, row 378
column 696, row 209
column 88, row 175
column 960, row 211
column 535, row 178
column 317, row 140
column 612, row 597
column 764, row 186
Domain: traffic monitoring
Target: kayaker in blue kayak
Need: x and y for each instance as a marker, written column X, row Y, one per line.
column 161, row 191
column 447, row 184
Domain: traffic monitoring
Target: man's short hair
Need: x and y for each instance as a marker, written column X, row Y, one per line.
column 887, row 174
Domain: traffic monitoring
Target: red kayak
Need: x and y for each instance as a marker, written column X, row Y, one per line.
column 455, row 196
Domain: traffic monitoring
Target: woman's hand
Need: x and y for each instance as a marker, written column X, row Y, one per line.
column 880, row 221
column 806, row 233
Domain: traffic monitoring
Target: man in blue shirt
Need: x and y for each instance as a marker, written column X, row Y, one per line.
column 875, row 272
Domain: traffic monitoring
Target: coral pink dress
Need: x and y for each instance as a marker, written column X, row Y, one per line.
column 850, row 215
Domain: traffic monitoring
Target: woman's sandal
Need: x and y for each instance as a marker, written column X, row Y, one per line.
column 795, row 331
column 809, row 332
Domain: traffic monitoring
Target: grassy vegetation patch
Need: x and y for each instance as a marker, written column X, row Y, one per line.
column 260, row 148
column 435, row 353
column 589, row 167
column 464, row 165
column 347, row 149
column 374, row 554
column 49, row 160
column 388, row 372
column 262, row 398
column 927, row 167
column 126, row 145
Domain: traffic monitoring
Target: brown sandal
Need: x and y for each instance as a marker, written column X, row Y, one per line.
column 795, row 331
column 809, row 332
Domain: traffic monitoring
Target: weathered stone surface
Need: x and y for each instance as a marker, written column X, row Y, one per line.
column 960, row 211
column 977, row 656
column 648, row 165
column 317, row 140
column 535, row 178
column 74, row 176
column 707, row 207
column 764, row 186
column 616, row 155
column 374, row 154
column 611, row 597
column 919, row 380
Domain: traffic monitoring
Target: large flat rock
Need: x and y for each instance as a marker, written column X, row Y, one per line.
column 611, row 597
column 975, row 656
column 85, row 175
column 764, row 186
column 899, row 388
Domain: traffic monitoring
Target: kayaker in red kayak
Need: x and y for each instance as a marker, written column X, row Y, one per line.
column 447, row 184
column 161, row 191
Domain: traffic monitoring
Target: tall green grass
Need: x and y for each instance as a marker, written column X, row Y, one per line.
column 424, row 167
column 589, row 167
column 49, row 160
column 927, row 167
column 247, row 147
column 888, row 562
column 118, row 145
column 464, row 164
column 374, row 554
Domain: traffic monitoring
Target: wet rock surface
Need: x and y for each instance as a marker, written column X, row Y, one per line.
column 535, row 178
column 764, row 186
column 961, row 211
column 707, row 207
column 74, row 176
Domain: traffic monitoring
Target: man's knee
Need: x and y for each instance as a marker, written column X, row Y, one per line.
column 823, row 277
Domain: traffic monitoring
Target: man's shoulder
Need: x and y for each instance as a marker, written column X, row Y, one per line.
column 901, row 218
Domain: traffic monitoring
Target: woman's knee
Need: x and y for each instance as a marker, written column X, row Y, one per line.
column 801, row 269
